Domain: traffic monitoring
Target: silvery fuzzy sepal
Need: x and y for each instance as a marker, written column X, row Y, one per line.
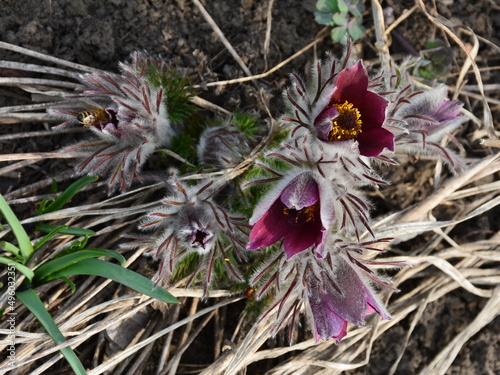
column 137, row 126
column 189, row 221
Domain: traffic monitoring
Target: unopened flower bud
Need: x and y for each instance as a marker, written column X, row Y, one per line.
column 222, row 146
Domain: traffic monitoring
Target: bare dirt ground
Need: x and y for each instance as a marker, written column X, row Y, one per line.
column 102, row 33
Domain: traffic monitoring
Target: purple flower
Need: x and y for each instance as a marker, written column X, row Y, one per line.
column 297, row 210
column 353, row 113
column 335, row 289
column 427, row 117
column 342, row 297
column 340, row 108
column 129, row 123
column 431, row 113
column 185, row 222
column 195, row 229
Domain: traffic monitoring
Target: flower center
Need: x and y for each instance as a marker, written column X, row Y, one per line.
column 200, row 238
column 305, row 215
column 347, row 125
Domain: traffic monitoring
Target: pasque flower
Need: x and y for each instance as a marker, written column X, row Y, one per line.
column 425, row 118
column 223, row 146
column 353, row 113
column 298, row 210
column 128, row 119
column 340, row 107
column 187, row 221
column 343, row 297
column 335, row 289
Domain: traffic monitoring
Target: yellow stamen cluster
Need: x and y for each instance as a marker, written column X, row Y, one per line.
column 304, row 215
column 347, row 125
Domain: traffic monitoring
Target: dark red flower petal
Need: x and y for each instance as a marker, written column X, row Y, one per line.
column 294, row 217
column 300, row 237
column 371, row 142
column 372, row 110
column 270, row 228
column 351, row 85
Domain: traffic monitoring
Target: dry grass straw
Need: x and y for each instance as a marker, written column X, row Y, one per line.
column 86, row 316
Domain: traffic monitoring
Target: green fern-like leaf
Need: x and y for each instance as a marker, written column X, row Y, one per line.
column 246, row 123
column 178, row 90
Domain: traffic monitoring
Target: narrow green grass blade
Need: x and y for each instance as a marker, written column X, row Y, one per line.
column 70, row 283
column 22, row 238
column 29, row 299
column 18, row 266
column 7, row 246
column 133, row 280
column 67, row 195
column 51, row 234
column 68, row 230
column 44, row 272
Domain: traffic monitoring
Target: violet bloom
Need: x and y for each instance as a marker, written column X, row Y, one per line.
column 427, row 117
column 334, row 289
column 431, row 113
column 340, row 107
column 353, row 113
column 129, row 122
column 187, row 221
column 297, row 210
column 343, row 297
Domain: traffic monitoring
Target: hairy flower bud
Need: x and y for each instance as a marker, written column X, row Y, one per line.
column 425, row 118
column 335, row 289
column 343, row 297
column 195, row 228
column 222, row 146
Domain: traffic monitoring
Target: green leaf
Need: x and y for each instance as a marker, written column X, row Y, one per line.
column 51, row 234
column 327, row 6
column 18, row 266
column 45, row 271
column 357, row 12
column 340, row 19
column 133, row 280
column 7, row 246
column 70, row 283
column 246, row 123
column 356, row 30
column 67, row 195
column 321, row 6
column 78, row 245
column 29, row 299
column 343, row 7
column 60, row 229
column 323, row 18
column 44, row 204
column 184, row 145
column 72, row 231
column 178, row 90
column 53, row 186
column 434, row 43
column 339, row 34
column 23, row 240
